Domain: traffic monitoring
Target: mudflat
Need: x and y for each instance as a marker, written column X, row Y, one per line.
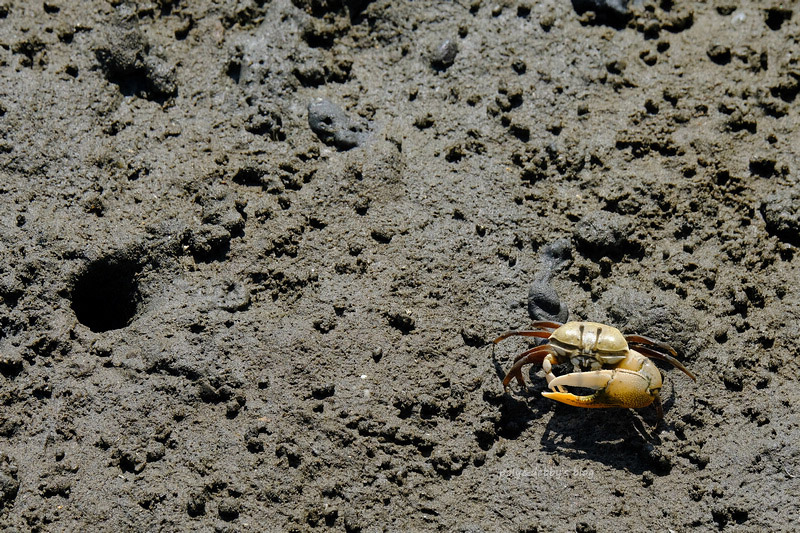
column 253, row 254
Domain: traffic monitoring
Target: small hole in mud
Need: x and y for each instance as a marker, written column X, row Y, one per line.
column 105, row 295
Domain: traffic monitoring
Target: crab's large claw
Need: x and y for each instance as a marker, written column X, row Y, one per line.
column 615, row 388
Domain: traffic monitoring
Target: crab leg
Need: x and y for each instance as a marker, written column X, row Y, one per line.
column 523, row 333
column 659, row 408
column 641, row 340
column 534, row 355
column 546, row 324
column 653, row 349
column 539, row 329
column 615, row 388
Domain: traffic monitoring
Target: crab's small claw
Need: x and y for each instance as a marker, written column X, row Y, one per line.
column 615, row 388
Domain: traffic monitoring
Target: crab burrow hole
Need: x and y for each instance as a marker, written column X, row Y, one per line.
column 105, row 295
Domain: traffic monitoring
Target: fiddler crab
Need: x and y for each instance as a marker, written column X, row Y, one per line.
column 616, row 366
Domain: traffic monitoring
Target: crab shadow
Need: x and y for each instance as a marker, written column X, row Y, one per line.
column 620, row 438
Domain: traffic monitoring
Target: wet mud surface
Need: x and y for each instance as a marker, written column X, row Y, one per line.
column 254, row 252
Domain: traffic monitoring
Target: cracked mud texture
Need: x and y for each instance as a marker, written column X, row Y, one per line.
column 210, row 319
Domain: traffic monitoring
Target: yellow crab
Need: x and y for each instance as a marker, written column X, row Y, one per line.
column 602, row 359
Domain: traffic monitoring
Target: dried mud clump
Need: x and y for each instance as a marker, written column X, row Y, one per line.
column 781, row 212
column 333, row 126
column 128, row 60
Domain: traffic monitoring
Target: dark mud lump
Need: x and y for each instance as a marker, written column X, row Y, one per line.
column 333, row 126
